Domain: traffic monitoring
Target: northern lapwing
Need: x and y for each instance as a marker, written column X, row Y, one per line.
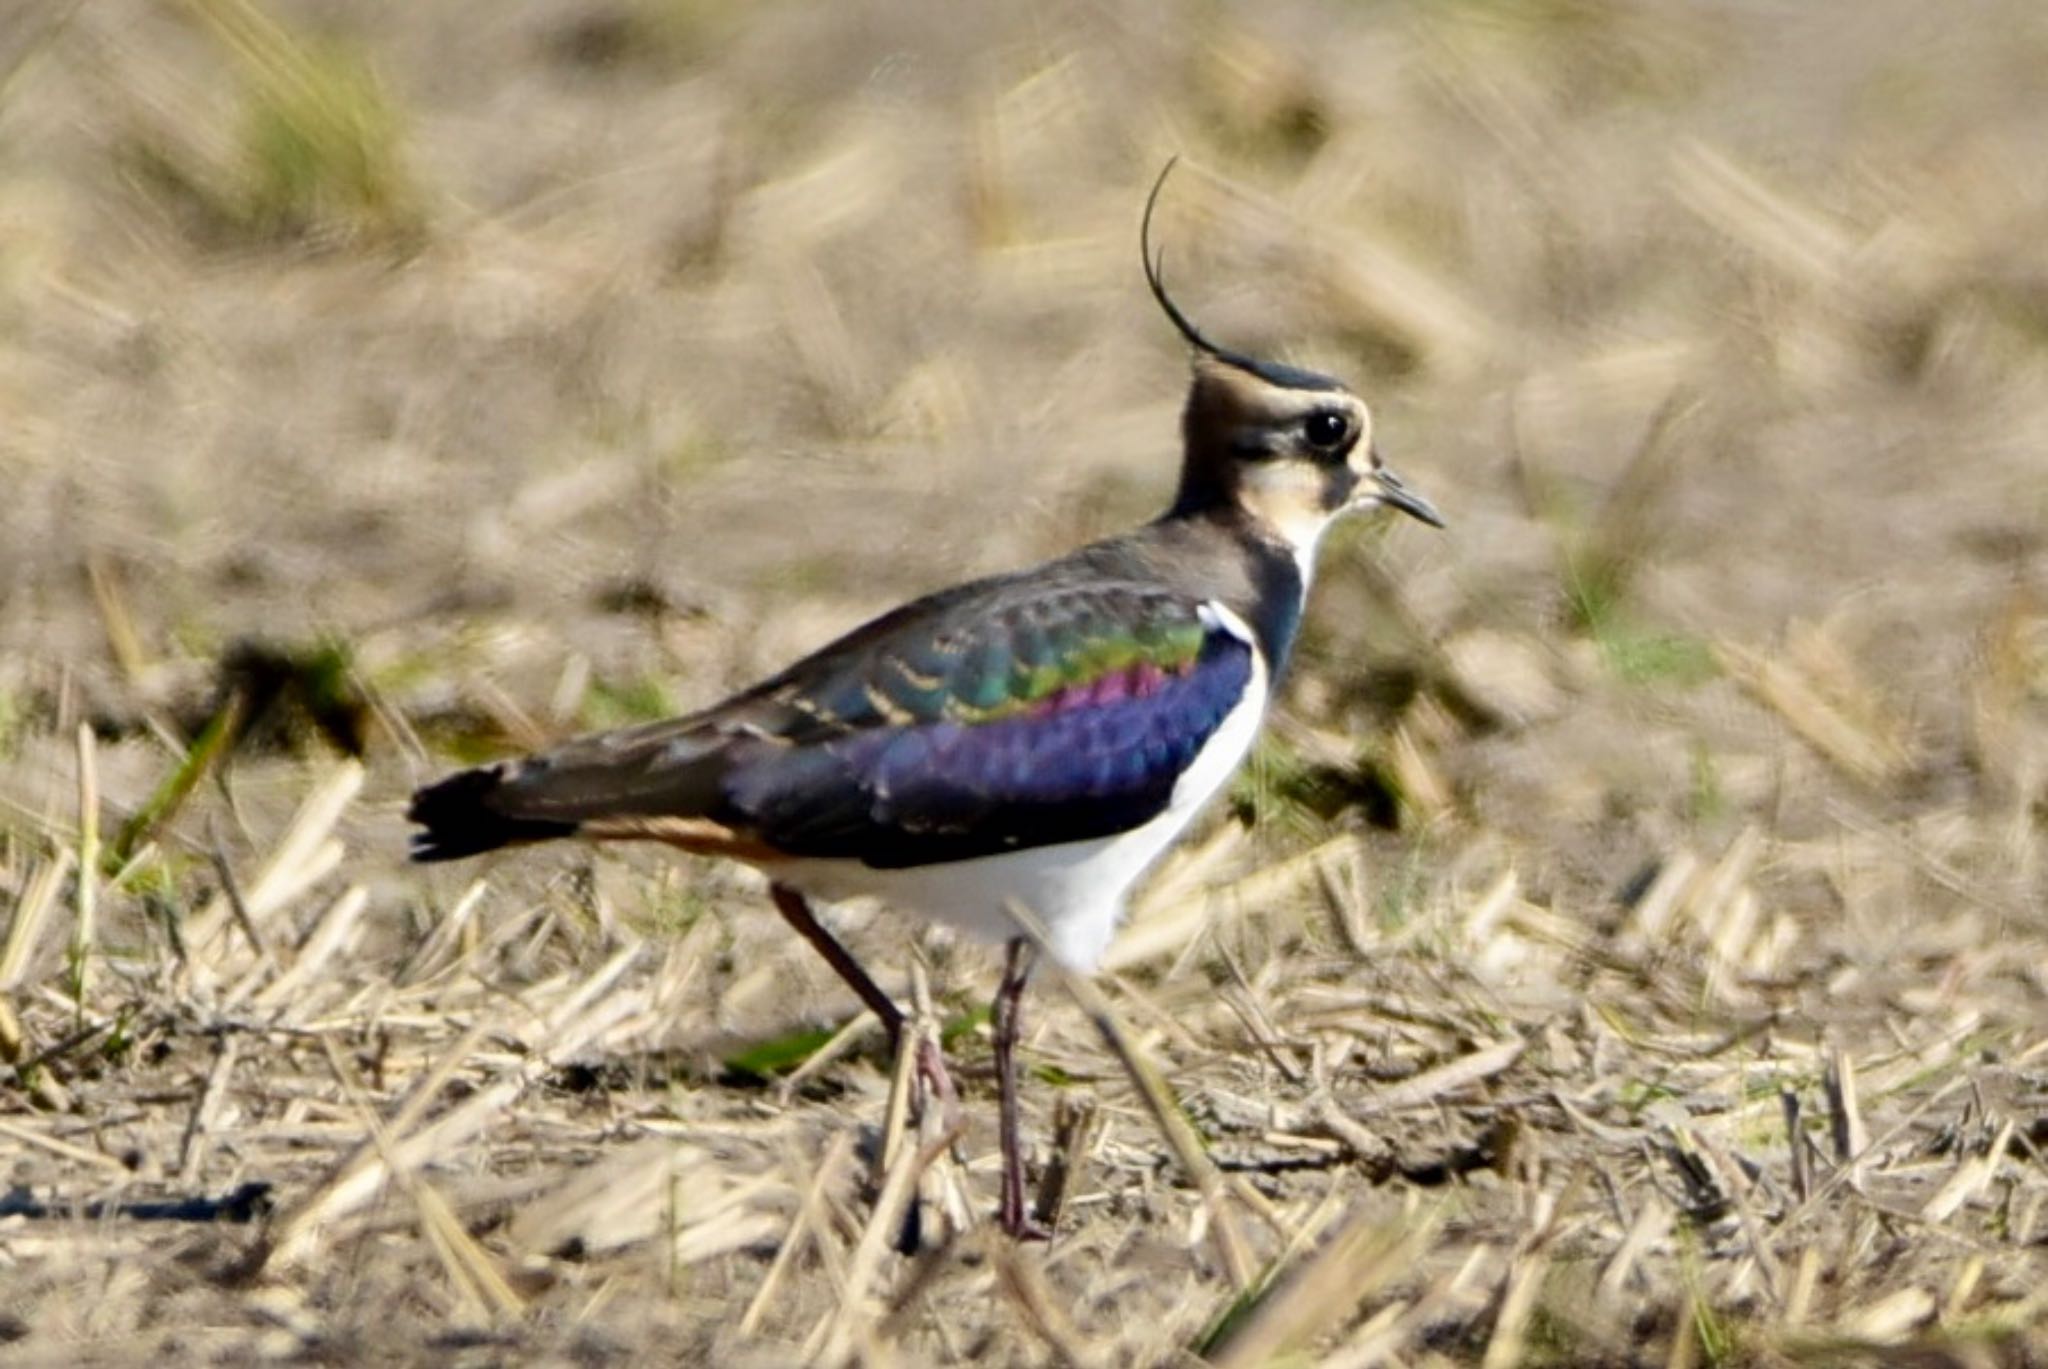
column 1033, row 739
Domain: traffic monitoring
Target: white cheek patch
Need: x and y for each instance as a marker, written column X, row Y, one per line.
column 1291, row 506
column 1303, row 528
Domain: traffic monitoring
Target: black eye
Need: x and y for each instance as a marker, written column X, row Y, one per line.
column 1326, row 428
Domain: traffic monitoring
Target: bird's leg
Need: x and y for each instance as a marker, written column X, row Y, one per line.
column 1015, row 1221
column 931, row 1063
column 798, row 914
column 931, row 1070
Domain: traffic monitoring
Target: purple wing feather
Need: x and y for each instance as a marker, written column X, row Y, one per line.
column 1000, row 715
column 1088, row 761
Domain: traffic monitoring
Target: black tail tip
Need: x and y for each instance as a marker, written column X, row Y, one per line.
column 459, row 818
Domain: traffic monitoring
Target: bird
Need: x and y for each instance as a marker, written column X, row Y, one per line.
column 1037, row 738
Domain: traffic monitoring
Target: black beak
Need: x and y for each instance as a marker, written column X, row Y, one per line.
column 1396, row 495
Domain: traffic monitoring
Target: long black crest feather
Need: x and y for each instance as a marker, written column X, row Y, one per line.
column 1288, row 377
column 1155, row 269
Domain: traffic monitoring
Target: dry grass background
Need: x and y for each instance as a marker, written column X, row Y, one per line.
column 1630, row 948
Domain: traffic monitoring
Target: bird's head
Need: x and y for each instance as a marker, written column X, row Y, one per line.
column 1290, row 449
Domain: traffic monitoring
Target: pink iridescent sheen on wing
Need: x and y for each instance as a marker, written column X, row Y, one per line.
column 1140, row 681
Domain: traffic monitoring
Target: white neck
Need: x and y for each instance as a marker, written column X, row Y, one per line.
column 1304, row 536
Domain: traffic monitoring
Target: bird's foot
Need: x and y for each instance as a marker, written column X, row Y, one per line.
column 1015, row 1219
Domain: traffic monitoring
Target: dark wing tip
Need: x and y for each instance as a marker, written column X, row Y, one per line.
column 459, row 819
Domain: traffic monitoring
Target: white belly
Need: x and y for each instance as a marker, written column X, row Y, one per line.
column 1076, row 888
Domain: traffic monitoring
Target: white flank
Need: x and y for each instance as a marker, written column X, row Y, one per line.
column 1077, row 888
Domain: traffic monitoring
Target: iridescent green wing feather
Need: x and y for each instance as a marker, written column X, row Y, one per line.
column 1011, row 658
column 997, row 716
column 1055, row 716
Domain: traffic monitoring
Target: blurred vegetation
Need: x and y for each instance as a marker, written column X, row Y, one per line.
column 315, row 150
